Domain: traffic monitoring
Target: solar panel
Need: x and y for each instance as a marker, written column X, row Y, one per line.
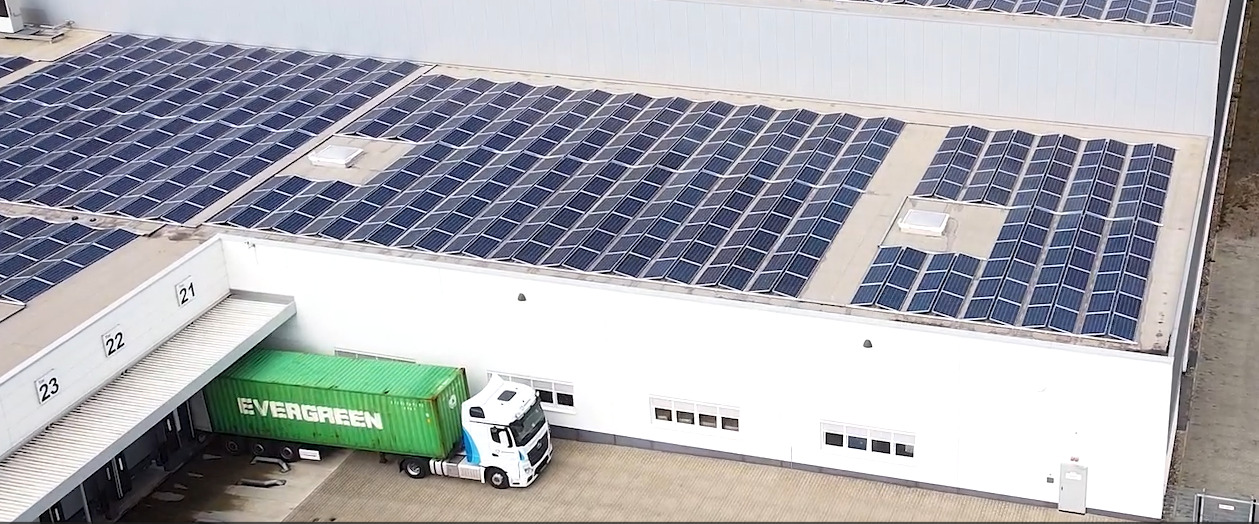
column 159, row 129
column 1083, row 221
column 700, row 235
column 701, row 193
column 36, row 255
column 1177, row 13
column 945, row 284
column 890, row 278
column 953, row 162
column 798, row 253
column 1123, row 274
column 9, row 65
column 998, row 171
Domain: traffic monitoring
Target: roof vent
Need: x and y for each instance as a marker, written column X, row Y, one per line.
column 926, row 223
column 506, row 395
column 335, row 156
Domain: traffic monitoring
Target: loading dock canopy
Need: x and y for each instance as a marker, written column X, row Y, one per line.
column 64, row 455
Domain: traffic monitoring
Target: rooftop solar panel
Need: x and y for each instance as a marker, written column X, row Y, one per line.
column 160, row 129
column 1074, row 253
column 36, row 255
column 1176, row 13
column 700, row 193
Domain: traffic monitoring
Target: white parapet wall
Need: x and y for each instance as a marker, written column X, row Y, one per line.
column 985, row 413
column 1017, row 66
column 62, row 375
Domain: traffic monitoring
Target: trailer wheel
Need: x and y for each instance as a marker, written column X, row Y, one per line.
column 232, row 445
column 258, row 448
column 414, row 468
column 497, row 478
column 288, row 452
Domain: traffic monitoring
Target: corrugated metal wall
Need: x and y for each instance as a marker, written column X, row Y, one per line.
column 1026, row 73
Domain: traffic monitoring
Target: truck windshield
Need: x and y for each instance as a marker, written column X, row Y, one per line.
column 527, row 427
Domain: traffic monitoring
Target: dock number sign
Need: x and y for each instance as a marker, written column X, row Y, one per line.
column 47, row 387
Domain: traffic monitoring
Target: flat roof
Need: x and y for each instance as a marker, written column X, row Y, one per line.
column 59, row 310
column 1208, row 20
column 872, row 221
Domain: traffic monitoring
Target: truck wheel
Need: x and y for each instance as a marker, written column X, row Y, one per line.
column 288, row 452
column 232, row 446
column 497, row 478
column 414, row 468
column 258, row 448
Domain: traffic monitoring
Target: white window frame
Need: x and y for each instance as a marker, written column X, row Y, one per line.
column 897, row 440
column 555, row 387
column 354, row 353
column 722, row 415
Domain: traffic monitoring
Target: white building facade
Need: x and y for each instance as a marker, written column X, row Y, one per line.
column 663, row 367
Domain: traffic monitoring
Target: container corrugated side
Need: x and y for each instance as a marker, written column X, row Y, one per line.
column 425, row 427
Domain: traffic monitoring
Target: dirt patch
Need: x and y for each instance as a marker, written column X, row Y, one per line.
column 1239, row 168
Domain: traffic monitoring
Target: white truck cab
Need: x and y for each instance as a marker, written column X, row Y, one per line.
column 506, row 438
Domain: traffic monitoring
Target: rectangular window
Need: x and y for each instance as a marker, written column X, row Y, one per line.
column 552, row 395
column 858, row 439
column 695, row 414
column 664, row 414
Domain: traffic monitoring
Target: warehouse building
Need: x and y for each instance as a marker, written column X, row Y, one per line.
column 953, row 245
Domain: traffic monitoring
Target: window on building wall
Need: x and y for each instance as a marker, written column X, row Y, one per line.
column 553, row 395
column 695, row 414
column 369, row 356
column 904, row 445
column 859, row 439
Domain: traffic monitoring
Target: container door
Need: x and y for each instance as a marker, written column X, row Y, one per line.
column 1073, row 487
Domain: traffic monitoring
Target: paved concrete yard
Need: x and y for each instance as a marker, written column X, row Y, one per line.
column 1223, row 432
column 596, row 482
column 1217, row 451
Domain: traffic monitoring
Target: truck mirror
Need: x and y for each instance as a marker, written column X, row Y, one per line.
column 494, row 434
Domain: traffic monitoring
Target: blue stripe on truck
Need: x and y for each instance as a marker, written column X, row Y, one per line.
column 469, row 447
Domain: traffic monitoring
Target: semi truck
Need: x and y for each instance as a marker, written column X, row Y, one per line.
column 291, row 404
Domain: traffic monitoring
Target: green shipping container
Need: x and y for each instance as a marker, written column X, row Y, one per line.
column 374, row 405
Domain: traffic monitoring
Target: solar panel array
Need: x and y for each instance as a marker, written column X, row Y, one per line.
column 1074, row 252
column 10, row 64
column 703, row 193
column 36, row 255
column 1177, row 13
column 159, row 129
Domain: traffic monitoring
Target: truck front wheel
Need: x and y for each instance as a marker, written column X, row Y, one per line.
column 414, row 468
column 497, row 478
